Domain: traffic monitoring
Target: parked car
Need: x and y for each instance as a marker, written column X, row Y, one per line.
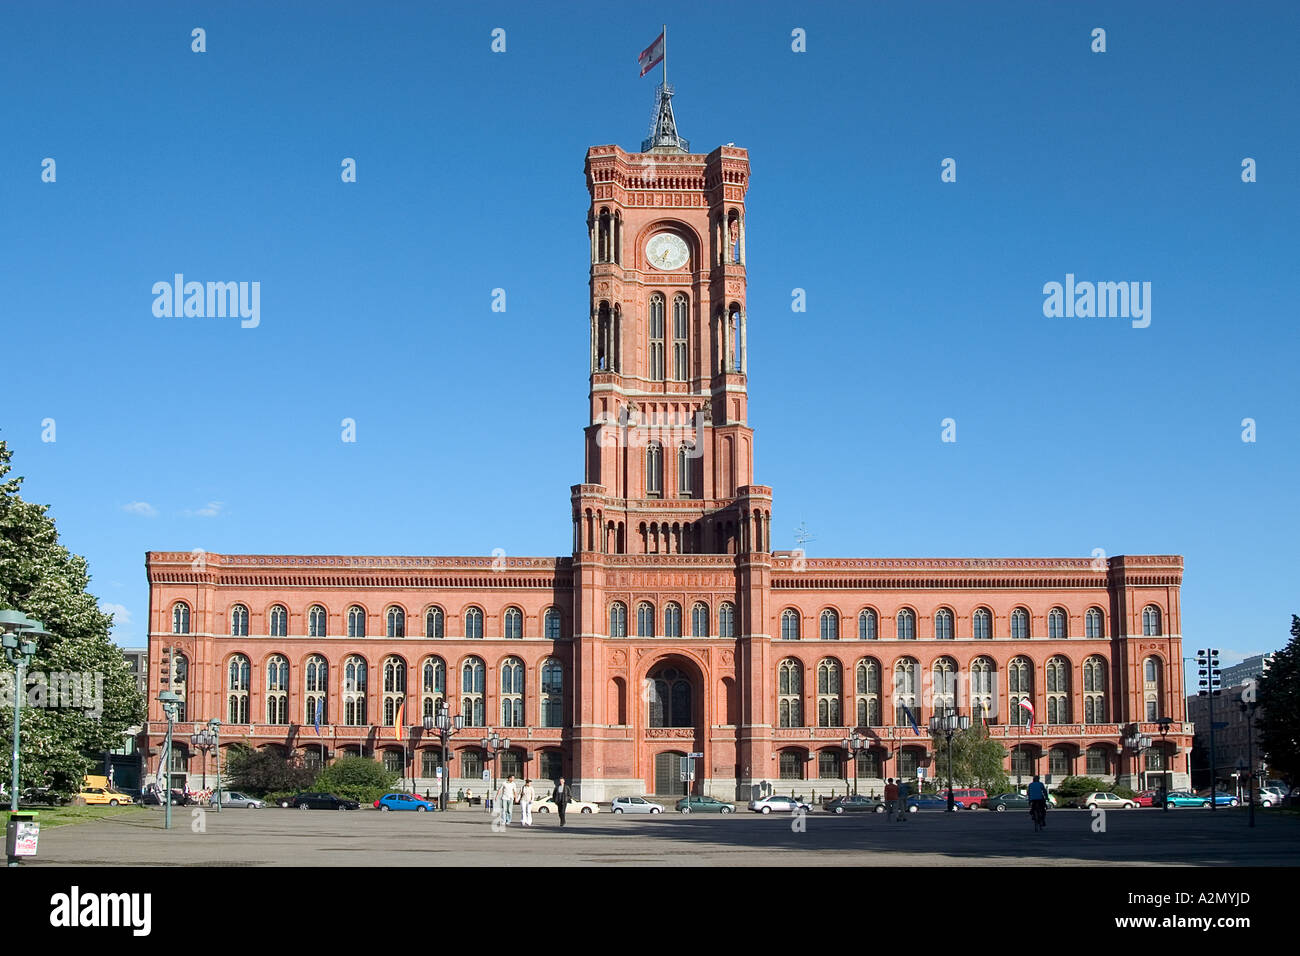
column 153, row 798
column 857, row 803
column 634, row 805
column 1181, row 798
column 321, row 801
column 547, row 805
column 1008, row 801
column 403, row 801
column 1280, row 785
column 237, row 800
column 1105, row 801
column 704, row 805
column 1148, row 798
column 926, row 801
column 1221, row 798
column 1270, row 797
column 779, row 804
column 969, row 798
column 99, row 797
column 47, row 796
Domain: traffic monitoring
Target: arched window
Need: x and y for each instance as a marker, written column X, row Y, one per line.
column 277, row 690
column 356, row 622
column 1094, row 625
column 472, row 704
column 789, row 700
column 513, row 623
column 316, row 685
column 1098, row 762
column 983, row 690
column 474, row 623
column 1056, row 624
column 396, row 622
column 551, row 624
column 868, row 625
column 434, row 622
column 1020, row 686
column 1152, row 686
column 700, row 620
column 238, row 679
column 981, row 624
column 789, row 625
column 512, row 692
column 828, row 693
column 279, row 621
column 669, row 694
column 943, row 624
column 681, row 319
column 907, row 624
column 394, row 689
column 433, row 685
column 239, row 622
column 727, row 619
column 830, row 625
column 654, row 470
column 905, row 709
column 1094, row 691
column 673, row 620
column 944, row 674
column 317, row 621
column 645, row 619
column 552, row 700
column 830, row 764
column 685, row 465
column 1151, row 621
column 1058, row 691
column 618, row 619
column 657, row 337
column 1019, row 624
column 355, row 686
column 791, row 765
column 868, row 696
column 180, row 618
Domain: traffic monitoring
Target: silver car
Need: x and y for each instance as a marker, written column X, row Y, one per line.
column 233, row 798
column 635, row 805
column 778, row 803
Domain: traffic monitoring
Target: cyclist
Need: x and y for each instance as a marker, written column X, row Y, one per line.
column 1038, row 803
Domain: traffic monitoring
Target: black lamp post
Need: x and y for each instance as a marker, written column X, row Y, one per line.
column 1247, row 708
column 447, row 727
column 494, row 745
column 1164, row 723
column 203, row 742
column 947, row 724
column 854, row 744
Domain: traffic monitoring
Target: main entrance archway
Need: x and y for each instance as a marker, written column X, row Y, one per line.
column 668, row 779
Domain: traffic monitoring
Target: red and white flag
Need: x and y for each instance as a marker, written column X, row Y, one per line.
column 1024, row 702
column 652, row 55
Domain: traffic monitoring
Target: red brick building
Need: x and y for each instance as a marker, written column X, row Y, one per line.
column 673, row 627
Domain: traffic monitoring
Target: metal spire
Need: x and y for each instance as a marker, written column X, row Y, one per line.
column 663, row 136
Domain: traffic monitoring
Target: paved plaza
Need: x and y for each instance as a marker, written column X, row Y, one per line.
column 274, row 837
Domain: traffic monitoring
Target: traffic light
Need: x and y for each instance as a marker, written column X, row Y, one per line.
column 1208, row 672
column 165, row 668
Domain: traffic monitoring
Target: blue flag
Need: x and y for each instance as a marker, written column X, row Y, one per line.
column 912, row 720
column 320, row 705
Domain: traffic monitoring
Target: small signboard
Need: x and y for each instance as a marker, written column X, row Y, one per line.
column 685, row 766
column 695, row 755
column 687, row 777
column 438, row 773
column 486, row 776
column 920, row 773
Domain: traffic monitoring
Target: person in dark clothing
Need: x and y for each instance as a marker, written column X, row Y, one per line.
column 561, row 796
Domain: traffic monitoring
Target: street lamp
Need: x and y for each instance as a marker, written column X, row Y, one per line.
column 446, row 726
column 19, row 632
column 947, row 724
column 214, row 727
column 1247, row 708
column 171, row 703
column 1164, row 723
column 1137, row 743
column 203, row 742
column 855, row 744
column 494, row 745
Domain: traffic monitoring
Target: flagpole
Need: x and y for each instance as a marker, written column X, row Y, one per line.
column 665, row 58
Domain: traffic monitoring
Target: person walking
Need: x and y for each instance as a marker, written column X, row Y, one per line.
column 460, row 795
column 891, row 798
column 904, row 791
column 560, row 796
column 505, row 798
column 526, row 798
column 469, row 797
column 1038, row 803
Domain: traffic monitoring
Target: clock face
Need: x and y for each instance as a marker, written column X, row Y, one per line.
column 666, row 251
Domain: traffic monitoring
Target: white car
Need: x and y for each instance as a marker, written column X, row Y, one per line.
column 547, row 805
column 1106, row 801
column 233, row 798
column 635, row 805
column 778, row 803
column 1270, row 797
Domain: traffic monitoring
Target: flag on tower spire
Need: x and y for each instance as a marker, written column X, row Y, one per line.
column 653, row 55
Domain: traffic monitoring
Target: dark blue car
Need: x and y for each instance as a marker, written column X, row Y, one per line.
column 926, row 801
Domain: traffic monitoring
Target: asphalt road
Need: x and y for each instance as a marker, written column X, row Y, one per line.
column 275, row 837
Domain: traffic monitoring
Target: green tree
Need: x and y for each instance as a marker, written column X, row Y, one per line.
column 357, row 778
column 260, row 772
column 1278, row 718
column 41, row 578
column 976, row 759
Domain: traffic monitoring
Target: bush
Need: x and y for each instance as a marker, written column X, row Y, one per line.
column 263, row 772
column 356, row 778
column 1072, row 787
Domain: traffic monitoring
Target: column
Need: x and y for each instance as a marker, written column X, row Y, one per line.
column 742, row 240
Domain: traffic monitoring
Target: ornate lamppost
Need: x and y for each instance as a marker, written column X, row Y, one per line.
column 947, row 724
column 1164, row 723
column 855, row 744
column 171, row 703
column 203, row 741
column 1247, row 708
column 494, row 745
column 447, row 727
column 19, row 634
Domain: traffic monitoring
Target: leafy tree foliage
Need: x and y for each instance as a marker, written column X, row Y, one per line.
column 41, row 578
column 357, row 778
column 262, row 772
column 976, row 759
column 1278, row 717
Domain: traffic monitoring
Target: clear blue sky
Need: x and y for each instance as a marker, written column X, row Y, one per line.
column 924, row 298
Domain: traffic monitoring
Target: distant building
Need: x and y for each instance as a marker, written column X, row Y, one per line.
column 1252, row 668
column 137, row 659
column 1231, row 742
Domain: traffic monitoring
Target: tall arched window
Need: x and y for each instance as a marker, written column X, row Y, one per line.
column 983, row 691
column 239, row 621
column 670, row 696
column 944, row 674
column 180, row 618
column 657, row 337
column 907, row 624
column 789, row 625
column 474, row 623
column 868, row 625
column 868, row 696
column 394, row 689
column 356, row 622
column 618, row 619
column 645, row 619
column 1151, row 621
column 277, row 690
column 434, row 622
column 981, row 624
column 789, row 700
column 355, row 687
column 396, row 620
column 654, row 470
column 552, row 700
column 905, row 709
column 1094, row 690
column 551, row 624
column 513, row 623
column 673, row 620
column 433, row 685
column 1058, row 691
column 828, row 693
column 727, row 619
column 279, row 621
column 685, row 465
column 1152, row 686
column 316, row 686
column 943, row 624
column 238, row 678
column 1056, row 624
column 1020, row 686
column 1019, row 624
column 512, row 692
column 830, row 626
column 699, row 619
column 1094, row 625
column 471, row 692
column 681, row 320
column 317, row 621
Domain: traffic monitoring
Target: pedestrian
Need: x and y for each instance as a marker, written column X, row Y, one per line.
column 526, row 798
column 469, row 797
column 560, row 797
column 460, row 795
column 505, row 798
column 891, row 798
column 904, row 791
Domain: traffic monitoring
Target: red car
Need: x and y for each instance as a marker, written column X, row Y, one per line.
column 1147, row 798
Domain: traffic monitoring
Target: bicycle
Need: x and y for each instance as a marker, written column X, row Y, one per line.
column 1038, row 812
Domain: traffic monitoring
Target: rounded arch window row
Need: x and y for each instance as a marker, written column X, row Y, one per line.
column 394, row 621
column 646, row 620
column 829, row 622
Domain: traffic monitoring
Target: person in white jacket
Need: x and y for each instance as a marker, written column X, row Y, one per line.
column 526, row 798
